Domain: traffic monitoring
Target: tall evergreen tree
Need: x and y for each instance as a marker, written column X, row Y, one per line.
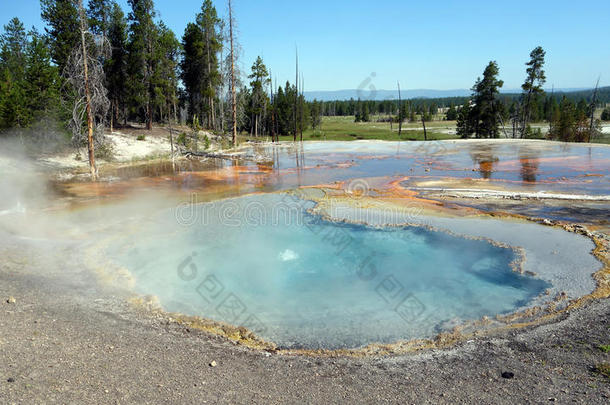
column 13, row 49
column 232, row 58
column 166, row 74
column 200, row 66
column 532, row 86
column 487, row 107
column 284, row 101
column 63, row 29
column 211, row 27
column 29, row 82
column 42, row 79
column 141, row 60
column 116, row 65
column 464, row 121
column 99, row 13
column 452, row 113
column 13, row 45
column 259, row 100
column 192, row 68
column 316, row 114
column 571, row 122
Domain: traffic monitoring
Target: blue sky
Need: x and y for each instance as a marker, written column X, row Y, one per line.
column 439, row 44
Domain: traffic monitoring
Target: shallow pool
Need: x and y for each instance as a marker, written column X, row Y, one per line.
column 266, row 263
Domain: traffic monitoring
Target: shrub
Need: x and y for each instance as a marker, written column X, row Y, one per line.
column 104, row 151
column 603, row 369
column 316, row 134
column 533, row 133
column 181, row 140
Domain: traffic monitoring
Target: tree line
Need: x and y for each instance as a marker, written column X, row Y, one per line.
column 542, row 106
column 146, row 73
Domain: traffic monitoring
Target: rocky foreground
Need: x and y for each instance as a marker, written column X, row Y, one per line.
column 64, row 341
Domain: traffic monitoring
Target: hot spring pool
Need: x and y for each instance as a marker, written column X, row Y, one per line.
column 297, row 280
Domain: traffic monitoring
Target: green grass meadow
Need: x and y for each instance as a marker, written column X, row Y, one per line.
column 345, row 129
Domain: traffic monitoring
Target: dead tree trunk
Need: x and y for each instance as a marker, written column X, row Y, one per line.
column 171, row 140
column 550, row 134
column 90, row 146
column 399, row 112
column 222, row 91
column 423, row 121
column 526, row 113
column 296, row 98
column 302, row 107
column 593, row 102
column 112, row 117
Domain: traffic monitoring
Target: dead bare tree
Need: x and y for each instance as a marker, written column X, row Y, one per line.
column 171, row 142
column 233, row 95
column 222, row 86
column 85, row 89
column 593, row 104
column 502, row 123
column 302, row 107
column 423, row 122
column 551, row 116
column 272, row 106
column 399, row 112
column 296, row 97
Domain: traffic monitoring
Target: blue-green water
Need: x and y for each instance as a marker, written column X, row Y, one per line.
column 263, row 262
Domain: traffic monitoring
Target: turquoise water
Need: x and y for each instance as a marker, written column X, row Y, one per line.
column 265, row 263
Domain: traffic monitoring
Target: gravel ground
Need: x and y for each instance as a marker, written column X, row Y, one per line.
column 68, row 339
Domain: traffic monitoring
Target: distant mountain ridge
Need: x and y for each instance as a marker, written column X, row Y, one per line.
column 373, row 94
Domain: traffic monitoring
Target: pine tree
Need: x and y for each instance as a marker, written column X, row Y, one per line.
column 365, row 117
column 232, row 58
column 464, row 121
column 571, row 122
column 13, row 44
column 452, row 113
column 316, row 114
column 166, row 74
column 63, row 29
column 192, row 67
column 116, row 66
column 259, row 100
column 358, row 112
column 141, row 60
column 487, row 107
column 283, row 111
column 42, row 79
column 284, row 107
column 210, row 25
column 532, row 86
column 29, row 82
column 200, row 67
column 13, row 56
column 565, row 122
column 99, row 13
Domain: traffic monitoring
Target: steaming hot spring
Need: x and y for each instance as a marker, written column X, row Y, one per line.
column 332, row 245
